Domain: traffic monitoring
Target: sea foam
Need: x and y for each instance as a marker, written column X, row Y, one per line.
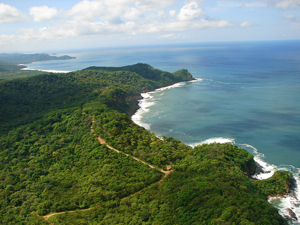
column 50, row 71
column 267, row 169
column 220, row 140
column 149, row 100
column 288, row 204
column 144, row 105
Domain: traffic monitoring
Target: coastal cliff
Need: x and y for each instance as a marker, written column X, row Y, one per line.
column 126, row 101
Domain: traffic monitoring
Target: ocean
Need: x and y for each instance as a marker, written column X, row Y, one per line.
column 246, row 93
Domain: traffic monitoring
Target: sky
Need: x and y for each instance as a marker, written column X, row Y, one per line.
column 51, row 25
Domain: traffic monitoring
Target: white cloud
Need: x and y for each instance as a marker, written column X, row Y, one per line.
column 284, row 4
column 43, row 13
column 254, row 4
column 290, row 16
column 172, row 36
column 190, row 11
column 148, row 5
column 9, row 14
column 112, row 11
column 120, row 17
column 133, row 14
column 126, row 38
column 115, row 2
column 166, row 36
column 87, row 10
column 6, row 39
column 294, row 19
column 172, row 13
column 76, row 28
column 246, row 24
column 161, row 14
column 186, row 25
column 109, row 10
column 246, row 3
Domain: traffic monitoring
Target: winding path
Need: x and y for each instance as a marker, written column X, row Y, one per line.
column 102, row 141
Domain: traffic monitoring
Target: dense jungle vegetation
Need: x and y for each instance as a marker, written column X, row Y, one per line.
column 51, row 161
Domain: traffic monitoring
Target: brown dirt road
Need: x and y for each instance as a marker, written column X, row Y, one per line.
column 101, row 141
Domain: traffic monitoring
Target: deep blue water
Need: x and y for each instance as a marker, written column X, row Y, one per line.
column 249, row 94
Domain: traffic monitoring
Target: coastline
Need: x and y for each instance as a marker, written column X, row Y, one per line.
column 24, row 64
column 246, row 140
column 139, row 106
column 49, row 71
column 289, row 201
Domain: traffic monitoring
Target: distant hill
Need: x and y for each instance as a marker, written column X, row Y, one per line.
column 149, row 72
column 18, row 58
column 10, row 67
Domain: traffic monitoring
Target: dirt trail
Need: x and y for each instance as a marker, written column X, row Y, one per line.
column 58, row 213
column 102, row 141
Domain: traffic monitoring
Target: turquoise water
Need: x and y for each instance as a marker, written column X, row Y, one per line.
column 248, row 94
column 265, row 117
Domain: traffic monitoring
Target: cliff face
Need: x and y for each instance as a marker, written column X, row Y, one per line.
column 127, row 101
column 127, row 104
column 250, row 167
column 132, row 102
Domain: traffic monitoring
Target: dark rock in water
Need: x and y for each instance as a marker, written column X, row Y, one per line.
column 292, row 188
column 258, row 168
column 292, row 214
column 293, row 185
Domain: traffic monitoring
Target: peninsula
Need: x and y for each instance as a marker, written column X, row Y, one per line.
column 11, row 64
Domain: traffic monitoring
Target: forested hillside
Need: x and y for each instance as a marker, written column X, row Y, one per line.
column 51, row 159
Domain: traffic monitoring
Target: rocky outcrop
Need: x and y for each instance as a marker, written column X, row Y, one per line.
column 292, row 215
column 133, row 103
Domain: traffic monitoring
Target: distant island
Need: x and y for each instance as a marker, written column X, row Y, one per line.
column 11, row 64
column 18, row 58
column 70, row 154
